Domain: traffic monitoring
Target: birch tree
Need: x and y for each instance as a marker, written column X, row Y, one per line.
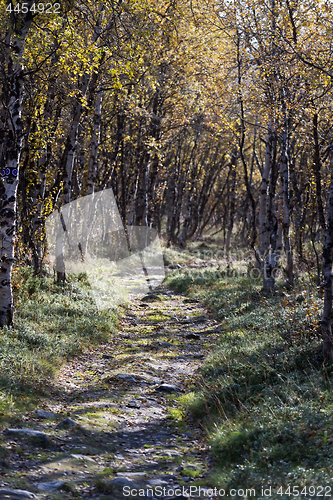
column 11, row 134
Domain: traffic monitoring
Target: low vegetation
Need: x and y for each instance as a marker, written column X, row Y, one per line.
column 53, row 323
column 264, row 395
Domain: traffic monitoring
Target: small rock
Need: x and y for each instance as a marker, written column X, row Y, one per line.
column 192, row 467
column 38, row 437
column 167, row 477
column 45, row 414
column 66, row 423
column 162, row 344
column 193, row 336
column 174, row 266
column 131, row 474
column 171, row 454
column 191, row 301
column 150, row 298
column 207, row 332
column 168, row 388
column 133, row 404
column 8, row 494
column 156, row 482
column 200, row 319
column 186, row 479
column 127, row 376
column 50, row 486
column 198, row 356
column 143, row 305
column 120, row 482
column 106, row 356
column 82, row 457
column 180, row 468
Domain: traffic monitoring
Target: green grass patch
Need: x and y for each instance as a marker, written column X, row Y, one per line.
column 53, row 323
column 264, row 395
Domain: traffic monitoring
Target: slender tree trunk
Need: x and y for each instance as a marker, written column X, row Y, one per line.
column 232, row 199
column 326, row 320
column 12, row 137
column 95, row 143
column 268, row 282
column 241, row 146
column 317, row 172
column 286, row 207
column 37, row 222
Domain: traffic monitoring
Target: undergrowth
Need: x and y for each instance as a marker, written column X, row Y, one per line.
column 53, row 323
column 264, row 394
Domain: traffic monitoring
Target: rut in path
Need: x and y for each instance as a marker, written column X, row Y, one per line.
column 120, row 398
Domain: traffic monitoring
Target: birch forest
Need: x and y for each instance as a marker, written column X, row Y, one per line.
column 200, row 115
column 166, row 249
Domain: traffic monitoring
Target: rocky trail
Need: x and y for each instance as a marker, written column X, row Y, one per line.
column 112, row 426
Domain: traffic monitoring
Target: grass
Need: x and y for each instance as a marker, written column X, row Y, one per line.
column 264, row 395
column 53, row 323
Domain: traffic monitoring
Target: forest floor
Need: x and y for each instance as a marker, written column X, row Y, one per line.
column 207, row 383
column 115, row 419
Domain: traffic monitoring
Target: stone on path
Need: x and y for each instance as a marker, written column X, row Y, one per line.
column 207, row 332
column 8, row 494
column 81, row 457
column 131, row 474
column 45, row 414
column 50, row 485
column 156, row 482
column 127, row 376
column 168, row 388
column 150, row 298
column 38, row 437
column 67, row 423
column 193, row 336
column 120, row 482
column 133, row 404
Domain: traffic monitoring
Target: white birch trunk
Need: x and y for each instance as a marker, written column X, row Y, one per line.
column 11, row 150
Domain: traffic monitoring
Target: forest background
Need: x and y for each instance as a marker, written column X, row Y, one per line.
column 198, row 115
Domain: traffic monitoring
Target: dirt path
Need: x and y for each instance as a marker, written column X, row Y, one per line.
column 123, row 433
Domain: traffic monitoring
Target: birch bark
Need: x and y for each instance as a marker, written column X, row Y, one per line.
column 12, row 139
